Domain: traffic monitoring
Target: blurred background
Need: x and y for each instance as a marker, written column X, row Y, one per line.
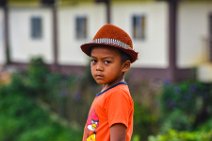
column 45, row 84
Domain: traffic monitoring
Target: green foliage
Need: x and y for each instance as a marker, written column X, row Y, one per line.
column 52, row 132
column 180, row 96
column 177, row 120
column 186, row 105
column 206, row 126
column 21, row 118
column 185, row 111
column 9, row 127
column 174, row 135
column 146, row 115
column 37, row 78
column 145, row 122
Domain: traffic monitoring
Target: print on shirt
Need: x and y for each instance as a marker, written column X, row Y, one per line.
column 92, row 124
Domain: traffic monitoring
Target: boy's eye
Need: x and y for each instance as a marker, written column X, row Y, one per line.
column 107, row 62
column 93, row 61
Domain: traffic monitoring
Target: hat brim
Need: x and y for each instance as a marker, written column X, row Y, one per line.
column 86, row 48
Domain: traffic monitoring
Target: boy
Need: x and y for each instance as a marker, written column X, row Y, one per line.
column 111, row 114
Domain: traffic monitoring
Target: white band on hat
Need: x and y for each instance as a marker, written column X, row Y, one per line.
column 112, row 41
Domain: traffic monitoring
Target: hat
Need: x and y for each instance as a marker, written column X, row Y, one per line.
column 111, row 36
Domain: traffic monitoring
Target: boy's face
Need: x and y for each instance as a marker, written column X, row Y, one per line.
column 106, row 66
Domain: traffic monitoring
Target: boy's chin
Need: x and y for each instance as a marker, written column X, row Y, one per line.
column 99, row 82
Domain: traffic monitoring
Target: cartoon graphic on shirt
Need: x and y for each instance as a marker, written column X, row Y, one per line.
column 92, row 124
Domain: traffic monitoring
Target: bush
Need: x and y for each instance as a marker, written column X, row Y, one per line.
column 177, row 120
column 206, row 126
column 50, row 132
column 146, row 109
column 22, row 118
column 174, row 135
column 145, row 122
column 9, row 127
column 186, row 109
column 185, row 105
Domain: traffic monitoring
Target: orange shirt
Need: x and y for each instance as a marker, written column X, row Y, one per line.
column 114, row 105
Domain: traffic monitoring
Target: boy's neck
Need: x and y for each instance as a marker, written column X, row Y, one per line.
column 106, row 86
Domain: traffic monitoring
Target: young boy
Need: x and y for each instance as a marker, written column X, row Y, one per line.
column 111, row 114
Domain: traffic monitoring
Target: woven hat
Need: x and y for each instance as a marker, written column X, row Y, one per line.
column 111, row 36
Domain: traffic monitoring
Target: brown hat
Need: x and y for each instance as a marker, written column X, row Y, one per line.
column 111, row 36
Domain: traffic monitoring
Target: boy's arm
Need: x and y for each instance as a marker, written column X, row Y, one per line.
column 118, row 132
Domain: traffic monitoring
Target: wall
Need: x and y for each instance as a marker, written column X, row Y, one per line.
column 69, row 47
column 153, row 51
column 23, row 47
column 193, row 33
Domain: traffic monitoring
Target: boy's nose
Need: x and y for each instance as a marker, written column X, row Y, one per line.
column 99, row 67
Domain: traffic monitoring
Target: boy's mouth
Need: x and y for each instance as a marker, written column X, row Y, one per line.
column 99, row 76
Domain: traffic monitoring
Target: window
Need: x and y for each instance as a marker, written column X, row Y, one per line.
column 36, row 27
column 139, row 27
column 81, row 27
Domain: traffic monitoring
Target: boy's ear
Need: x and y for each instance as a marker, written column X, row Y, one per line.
column 126, row 66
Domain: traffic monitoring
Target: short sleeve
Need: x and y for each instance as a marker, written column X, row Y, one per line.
column 119, row 108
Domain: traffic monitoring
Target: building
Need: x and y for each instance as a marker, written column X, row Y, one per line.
column 173, row 37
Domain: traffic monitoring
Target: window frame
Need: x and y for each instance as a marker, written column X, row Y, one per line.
column 36, row 27
column 81, row 27
column 139, row 32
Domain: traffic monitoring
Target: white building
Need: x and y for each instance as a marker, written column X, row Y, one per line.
column 148, row 22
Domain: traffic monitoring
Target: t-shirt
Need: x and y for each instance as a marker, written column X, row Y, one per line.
column 114, row 105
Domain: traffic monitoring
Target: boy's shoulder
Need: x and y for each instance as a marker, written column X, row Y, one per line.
column 119, row 91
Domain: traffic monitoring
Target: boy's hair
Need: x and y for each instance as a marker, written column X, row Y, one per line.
column 124, row 56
